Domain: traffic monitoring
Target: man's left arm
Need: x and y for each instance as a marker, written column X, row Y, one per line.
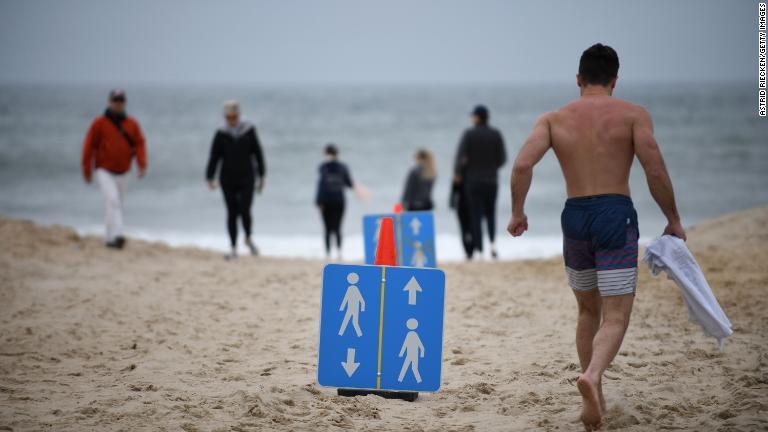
column 461, row 159
column 530, row 154
column 141, row 151
column 502, row 156
column 260, row 163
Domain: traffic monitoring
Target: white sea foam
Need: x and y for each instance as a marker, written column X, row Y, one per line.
column 449, row 248
column 302, row 246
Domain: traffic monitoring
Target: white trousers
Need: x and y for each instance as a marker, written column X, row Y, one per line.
column 113, row 187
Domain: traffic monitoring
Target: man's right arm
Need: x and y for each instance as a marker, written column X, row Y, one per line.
column 537, row 144
column 649, row 155
column 501, row 157
column 87, row 157
column 461, row 159
column 213, row 161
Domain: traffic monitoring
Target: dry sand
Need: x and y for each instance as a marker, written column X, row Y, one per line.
column 156, row 338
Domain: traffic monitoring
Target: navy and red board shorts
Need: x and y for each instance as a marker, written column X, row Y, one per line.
column 600, row 244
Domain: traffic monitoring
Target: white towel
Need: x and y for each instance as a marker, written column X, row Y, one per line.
column 669, row 254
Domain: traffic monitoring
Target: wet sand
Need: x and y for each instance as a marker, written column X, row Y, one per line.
column 159, row 338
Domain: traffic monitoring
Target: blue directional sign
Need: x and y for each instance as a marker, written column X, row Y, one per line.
column 381, row 328
column 414, row 238
column 371, row 229
column 417, row 239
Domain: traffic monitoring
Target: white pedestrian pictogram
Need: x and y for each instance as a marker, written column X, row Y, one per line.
column 413, row 350
column 419, row 258
column 415, row 226
column 354, row 303
column 412, row 287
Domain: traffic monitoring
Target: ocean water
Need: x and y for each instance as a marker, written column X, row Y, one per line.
column 715, row 146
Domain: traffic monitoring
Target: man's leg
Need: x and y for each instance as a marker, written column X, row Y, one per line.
column 121, row 181
column 587, row 325
column 337, row 214
column 489, row 200
column 246, row 199
column 490, row 214
column 325, row 213
column 476, row 215
column 230, row 199
column 109, row 189
column 607, row 341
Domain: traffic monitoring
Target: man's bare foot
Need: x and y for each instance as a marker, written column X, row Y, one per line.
column 591, row 412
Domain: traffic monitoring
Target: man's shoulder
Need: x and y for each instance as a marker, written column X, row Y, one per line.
column 130, row 120
column 494, row 130
column 629, row 106
column 99, row 120
column 613, row 104
column 481, row 130
column 630, row 111
column 333, row 165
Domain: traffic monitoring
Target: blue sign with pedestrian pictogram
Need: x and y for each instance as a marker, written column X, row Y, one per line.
column 414, row 238
column 381, row 328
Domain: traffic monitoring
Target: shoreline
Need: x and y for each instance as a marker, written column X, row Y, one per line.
column 159, row 337
column 278, row 247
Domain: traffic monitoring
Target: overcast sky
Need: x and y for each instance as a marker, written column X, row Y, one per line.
column 355, row 41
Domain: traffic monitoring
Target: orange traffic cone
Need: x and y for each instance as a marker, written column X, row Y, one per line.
column 385, row 249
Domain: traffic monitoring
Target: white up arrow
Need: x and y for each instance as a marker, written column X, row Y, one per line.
column 412, row 287
column 350, row 366
column 415, row 226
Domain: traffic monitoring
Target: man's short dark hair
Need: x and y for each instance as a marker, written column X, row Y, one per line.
column 331, row 149
column 599, row 64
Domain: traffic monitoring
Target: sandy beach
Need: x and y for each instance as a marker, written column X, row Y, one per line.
column 160, row 338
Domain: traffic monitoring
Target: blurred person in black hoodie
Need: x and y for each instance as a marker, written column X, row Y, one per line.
column 480, row 155
column 236, row 146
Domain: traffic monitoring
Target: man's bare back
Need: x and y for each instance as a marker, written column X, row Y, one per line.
column 595, row 138
column 592, row 138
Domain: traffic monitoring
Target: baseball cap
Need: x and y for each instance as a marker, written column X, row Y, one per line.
column 480, row 111
column 117, row 95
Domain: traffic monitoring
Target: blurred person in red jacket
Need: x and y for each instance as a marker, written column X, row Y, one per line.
column 113, row 140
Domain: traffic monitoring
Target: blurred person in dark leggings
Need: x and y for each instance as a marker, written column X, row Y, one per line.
column 480, row 155
column 236, row 146
column 334, row 178
column 417, row 194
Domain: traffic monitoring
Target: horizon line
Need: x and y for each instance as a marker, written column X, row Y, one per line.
column 353, row 83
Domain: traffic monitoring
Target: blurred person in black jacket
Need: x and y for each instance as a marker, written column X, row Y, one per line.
column 480, row 155
column 334, row 178
column 237, row 149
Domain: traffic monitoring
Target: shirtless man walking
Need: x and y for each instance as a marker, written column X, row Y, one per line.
column 596, row 138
